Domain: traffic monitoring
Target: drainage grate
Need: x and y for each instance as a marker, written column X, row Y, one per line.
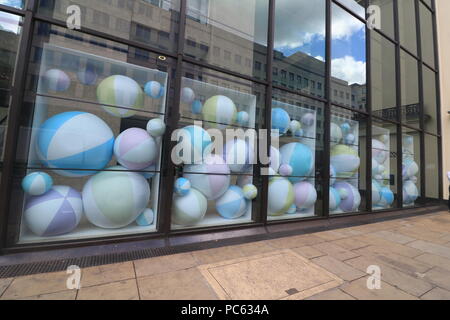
column 17, row 270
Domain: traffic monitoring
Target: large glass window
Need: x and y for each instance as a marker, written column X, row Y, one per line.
column 91, row 137
column 430, row 101
column 407, row 24
column 231, row 34
column 387, row 16
column 432, row 174
column 216, row 150
column 348, row 162
column 411, row 167
column 19, row 4
column 296, row 154
column 348, row 65
column 384, row 93
column 299, row 48
column 152, row 23
column 427, row 35
column 410, row 109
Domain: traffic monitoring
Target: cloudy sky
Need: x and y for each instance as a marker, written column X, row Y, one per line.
column 9, row 22
column 300, row 26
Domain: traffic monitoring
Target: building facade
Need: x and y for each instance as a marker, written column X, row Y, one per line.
column 332, row 118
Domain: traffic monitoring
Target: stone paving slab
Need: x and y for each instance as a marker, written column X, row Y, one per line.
column 413, row 255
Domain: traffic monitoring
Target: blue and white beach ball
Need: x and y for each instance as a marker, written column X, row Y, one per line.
column 280, row 122
column 182, row 186
column 56, row 80
column 335, row 199
column 146, row 218
column 156, row 127
column 55, row 213
column 387, row 197
column 410, row 168
column 187, row 95
column 410, row 192
column 154, row 89
column 219, row 111
column 335, row 134
column 379, row 151
column 114, row 199
column 212, row 178
column 135, row 149
column 122, row 96
column 75, row 140
column 292, row 209
column 376, row 193
column 197, row 107
column 250, row 191
column 305, row 195
column 190, row 209
column 300, row 158
column 345, row 127
column 37, row 183
column 345, row 160
column 194, row 145
column 243, row 118
column 280, row 197
column 239, row 155
column 232, row 204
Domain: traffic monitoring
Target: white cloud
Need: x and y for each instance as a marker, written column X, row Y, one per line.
column 300, row 21
column 348, row 69
column 320, row 58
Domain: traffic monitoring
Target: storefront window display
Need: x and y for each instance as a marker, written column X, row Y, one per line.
column 410, row 167
column 95, row 138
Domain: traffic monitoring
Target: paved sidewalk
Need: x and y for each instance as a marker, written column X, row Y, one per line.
column 413, row 255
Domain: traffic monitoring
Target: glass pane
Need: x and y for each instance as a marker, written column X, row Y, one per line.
column 348, row 162
column 152, row 22
column 220, row 114
column 432, row 174
column 357, row 6
column 387, row 16
column 384, row 93
column 411, row 167
column 299, row 49
column 348, row 65
column 384, row 165
column 92, row 137
column 296, row 154
column 407, row 24
column 427, row 35
column 430, row 103
column 410, row 90
column 230, row 34
column 19, row 4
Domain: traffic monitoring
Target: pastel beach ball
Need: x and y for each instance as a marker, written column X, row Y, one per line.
column 352, row 199
column 345, row 127
column 300, row 158
column 156, row 127
column 146, row 218
column 37, row 183
column 122, row 96
column 194, row 144
column 345, row 160
column 294, row 126
column 54, row 213
column 280, row 196
column 190, row 209
column 135, row 149
column 243, row 180
column 410, row 192
column 376, row 193
column 75, row 140
column 250, row 191
column 387, row 197
column 280, row 122
column 114, row 199
column 350, row 138
column 149, row 172
column 232, row 204
column 379, row 151
column 88, row 76
column 219, row 111
column 292, row 210
column 212, row 178
column 197, row 107
column 182, row 186
column 239, row 155
column 335, row 134
column 332, row 175
column 410, row 169
column 275, row 159
column 56, row 80
column 187, row 95
column 286, row 170
column 308, row 119
column 305, row 195
column 335, row 199
column 243, row 118
column 154, row 89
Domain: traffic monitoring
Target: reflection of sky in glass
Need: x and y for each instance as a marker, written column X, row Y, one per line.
column 9, row 22
column 13, row 3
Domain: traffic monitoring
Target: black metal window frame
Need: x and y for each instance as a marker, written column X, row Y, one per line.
column 31, row 16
